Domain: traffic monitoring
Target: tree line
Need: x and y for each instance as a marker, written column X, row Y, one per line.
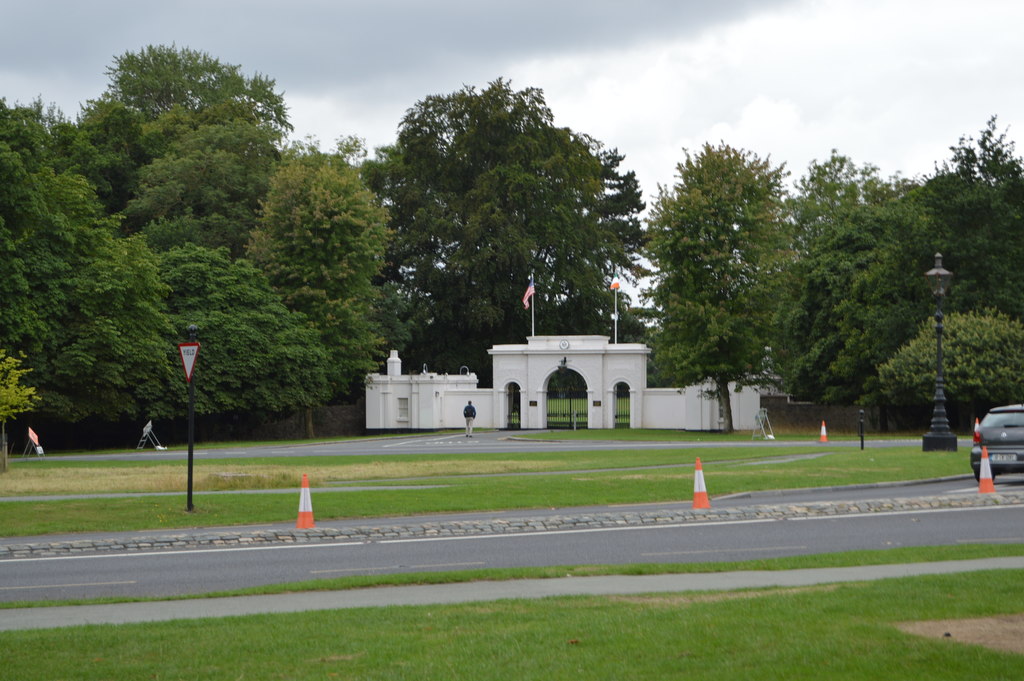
column 176, row 197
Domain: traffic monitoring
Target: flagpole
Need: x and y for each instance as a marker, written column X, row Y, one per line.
column 616, row 316
column 533, row 309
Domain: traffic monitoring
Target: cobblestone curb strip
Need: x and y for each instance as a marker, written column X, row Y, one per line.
column 467, row 528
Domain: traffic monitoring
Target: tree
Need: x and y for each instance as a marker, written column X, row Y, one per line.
column 207, row 188
column 854, row 292
column 975, row 206
column 257, row 356
column 321, row 241
column 159, row 78
column 483, row 190
column 716, row 241
column 107, row 146
column 15, row 398
column 107, row 355
column 982, row 354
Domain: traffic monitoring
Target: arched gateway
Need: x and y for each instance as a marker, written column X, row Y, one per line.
column 532, row 390
column 569, row 380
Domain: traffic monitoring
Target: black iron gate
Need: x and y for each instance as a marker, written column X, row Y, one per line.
column 513, row 413
column 567, row 400
column 621, row 405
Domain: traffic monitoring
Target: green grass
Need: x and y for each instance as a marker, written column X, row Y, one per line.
column 834, row 632
column 844, row 631
column 725, row 473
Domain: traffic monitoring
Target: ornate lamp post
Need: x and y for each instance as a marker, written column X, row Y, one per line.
column 939, row 438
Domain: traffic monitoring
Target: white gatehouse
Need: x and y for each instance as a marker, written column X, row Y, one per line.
column 549, row 382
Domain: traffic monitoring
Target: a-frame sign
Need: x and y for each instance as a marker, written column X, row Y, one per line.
column 189, row 352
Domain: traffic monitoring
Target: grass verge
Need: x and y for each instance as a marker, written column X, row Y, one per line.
column 844, row 631
column 463, row 483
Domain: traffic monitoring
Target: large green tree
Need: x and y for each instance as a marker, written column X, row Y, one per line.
column 321, row 240
column 854, row 293
column 82, row 306
column 159, row 78
column 483, row 190
column 207, row 188
column 717, row 240
column 106, row 145
column 975, row 206
column 257, row 357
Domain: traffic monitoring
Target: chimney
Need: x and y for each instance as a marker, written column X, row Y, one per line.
column 394, row 365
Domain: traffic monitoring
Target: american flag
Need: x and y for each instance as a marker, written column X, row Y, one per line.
column 529, row 294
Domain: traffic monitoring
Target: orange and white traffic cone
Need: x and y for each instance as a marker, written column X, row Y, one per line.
column 305, row 521
column 985, row 484
column 977, row 432
column 700, row 492
column 824, row 433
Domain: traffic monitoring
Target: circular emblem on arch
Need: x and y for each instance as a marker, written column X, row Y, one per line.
column 563, row 344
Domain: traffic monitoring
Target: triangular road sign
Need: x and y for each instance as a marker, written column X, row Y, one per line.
column 189, row 353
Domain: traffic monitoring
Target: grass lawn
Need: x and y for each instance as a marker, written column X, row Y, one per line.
column 844, row 631
column 452, row 483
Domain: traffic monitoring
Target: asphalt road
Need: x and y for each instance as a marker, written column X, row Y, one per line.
column 481, row 442
column 197, row 571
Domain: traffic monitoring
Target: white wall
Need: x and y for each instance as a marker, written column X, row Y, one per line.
column 688, row 409
column 432, row 401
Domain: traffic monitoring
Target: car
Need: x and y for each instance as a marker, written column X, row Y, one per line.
column 1002, row 433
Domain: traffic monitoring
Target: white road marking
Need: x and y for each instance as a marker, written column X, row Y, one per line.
column 741, row 550
column 64, row 586
column 395, row 567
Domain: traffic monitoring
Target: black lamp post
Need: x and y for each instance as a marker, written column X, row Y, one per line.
column 939, row 438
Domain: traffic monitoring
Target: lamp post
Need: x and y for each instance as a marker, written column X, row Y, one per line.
column 939, row 438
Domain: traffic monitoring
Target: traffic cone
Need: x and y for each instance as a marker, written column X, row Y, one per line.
column 985, row 484
column 824, row 433
column 700, row 492
column 977, row 432
column 305, row 521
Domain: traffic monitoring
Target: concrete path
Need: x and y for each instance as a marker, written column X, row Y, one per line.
column 125, row 613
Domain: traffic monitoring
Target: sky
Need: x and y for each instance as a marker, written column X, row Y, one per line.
column 891, row 83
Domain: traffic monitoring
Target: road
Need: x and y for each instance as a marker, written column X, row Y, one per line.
column 195, row 571
column 449, row 443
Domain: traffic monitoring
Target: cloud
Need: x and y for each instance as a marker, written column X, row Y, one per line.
column 894, row 84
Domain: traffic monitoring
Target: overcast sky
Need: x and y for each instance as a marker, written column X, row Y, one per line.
column 888, row 82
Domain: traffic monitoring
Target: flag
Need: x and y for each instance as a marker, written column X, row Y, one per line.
column 32, row 436
column 529, row 294
column 615, row 283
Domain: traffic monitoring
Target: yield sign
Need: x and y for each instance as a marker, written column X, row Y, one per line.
column 189, row 353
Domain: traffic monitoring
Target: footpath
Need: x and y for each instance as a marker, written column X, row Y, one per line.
column 128, row 613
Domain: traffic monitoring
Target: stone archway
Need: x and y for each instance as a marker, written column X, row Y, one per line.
column 568, row 405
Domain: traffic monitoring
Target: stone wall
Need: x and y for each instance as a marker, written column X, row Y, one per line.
column 794, row 416
column 332, row 421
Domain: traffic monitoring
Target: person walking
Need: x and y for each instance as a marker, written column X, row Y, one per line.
column 470, row 413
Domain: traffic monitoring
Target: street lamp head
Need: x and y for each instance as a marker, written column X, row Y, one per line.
column 939, row 277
